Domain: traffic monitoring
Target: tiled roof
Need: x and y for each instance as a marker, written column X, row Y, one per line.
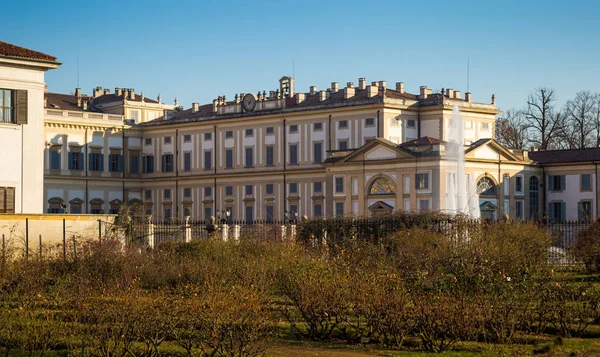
column 9, row 50
column 108, row 98
column 565, row 156
column 426, row 140
column 63, row 101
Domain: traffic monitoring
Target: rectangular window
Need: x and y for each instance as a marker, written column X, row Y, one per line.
column 7, row 200
column 317, row 126
column 187, row 161
column 519, row 210
column 249, row 132
column 7, row 106
column 556, row 182
column 318, row 152
column 148, row 141
column 269, row 189
column 518, row 184
column 468, row 124
column 557, row 211
column 410, row 123
column 270, row 158
column 228, row 158
column 270, row 130
column 76, row 161
column 228, row 134
column 293, row 187
column 148, row 164
column 228, row 190
column 115, row 163
column 584, row 211
column 506, row 184
column 187, row 192
column 249, row 189
column 422, row 181
column 167, row 194
column 249, row 157
column 293, row 128
column 148, row 194
column 343, row 144
column 208, row 160
column 485, row 126
column 339, row 185
column 339, row 209
column 134, row 163
column 294, row 212
column 343, row 124
column 167, row 140
column 207, row 136
column 167, row 163
column 317, row 187
column 187, row 138
column 207, row 212
column 293, row 154
column 55, row 158
column 96, row 161
column 423, row 205
column 207, row 192
column 317, row 210
column 270, row 214
column 370, row 122
column 586, row 182
column 249, row 214
column 167, row 212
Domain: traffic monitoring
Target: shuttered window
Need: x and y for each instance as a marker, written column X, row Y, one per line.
column 7, row 200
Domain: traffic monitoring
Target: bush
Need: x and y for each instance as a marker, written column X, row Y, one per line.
column 587, row 247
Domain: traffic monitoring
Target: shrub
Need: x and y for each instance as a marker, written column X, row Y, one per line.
column 587, row 247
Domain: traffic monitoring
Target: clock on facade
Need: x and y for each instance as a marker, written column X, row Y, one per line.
column 248, row 102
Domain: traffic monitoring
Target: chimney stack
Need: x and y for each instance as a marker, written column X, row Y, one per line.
column 97, row 92
column 106, row 91
column 118, row 92
column 423, row 92
column 215, row 105
column 382, row 84
column 468, row 97
column 372, row 91
column 313, row 89
column 362, row 83
column 349, row 91
column 334, row 87
column 79, row 101
column 195, row 107
column 78, row 92
column 300, row 97
column 450, row 93
column 456, row 94
column 85, row 104
column 323, row 95
column 132, row 93
column 400, row 87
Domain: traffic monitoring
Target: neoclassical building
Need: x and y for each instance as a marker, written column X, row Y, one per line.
column 359, row 150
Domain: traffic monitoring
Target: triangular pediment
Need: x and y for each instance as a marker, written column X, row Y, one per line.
column 489, row 150
column 376, row 149
column 380, row 205
column 381, row 153
column 487, row 206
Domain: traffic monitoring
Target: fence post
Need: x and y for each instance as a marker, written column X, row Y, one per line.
column 188, row 230
column 293, row 231
column 283, row 229
column 224, row 232
column 3, row 251
column 100, row 230
column 64, row 239
column 150, row 232
column 40, row 247
column 74, row 248
column 26, row 239
column 236, row 232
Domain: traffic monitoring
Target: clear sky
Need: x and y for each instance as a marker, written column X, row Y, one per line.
column 198, row 50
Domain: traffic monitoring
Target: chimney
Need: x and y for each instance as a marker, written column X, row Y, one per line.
column 300, row 97
column 215, row 105
column 468, row 97
column 450, row 93
column 525, row 155
column 195, row 107
column 456, row 94
column 313, row 89
column 334, row 87
column 98, row 92
column 400, row 87
column 372, row 91
column 323, row 95
column 382, row 84
column 423, row 92
column 45, row 102
column 132, row 93
column 85, row 104
column 78, row 92
column 106, row 91
column 118, row 91
column 362, row 83
column 79, row 101
column 349, row 91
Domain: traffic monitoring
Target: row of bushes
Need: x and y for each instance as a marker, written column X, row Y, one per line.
column 228, row 299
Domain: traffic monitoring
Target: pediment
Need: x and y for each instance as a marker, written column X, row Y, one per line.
column 380, row 205
column 490, row 150
column 381, row 153
column 376, row 149
column 487, row 206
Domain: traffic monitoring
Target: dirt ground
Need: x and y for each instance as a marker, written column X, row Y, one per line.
column 279, row 350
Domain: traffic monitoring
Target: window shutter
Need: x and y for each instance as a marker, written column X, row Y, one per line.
column 21, row 107
column 417, row 181
column 144, row 166
column 2, row 200
column 426, row 177
column 550, row 188
column 70, row 155
column 563, row 211
column 80, row 163
column 10, row 200
column 563, row 184
column 101, row 162
column 163, row 166
column 90, row 162
column 121, row 163
column 550, row 211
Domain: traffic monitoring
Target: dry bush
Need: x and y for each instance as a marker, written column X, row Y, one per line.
column 587, row 247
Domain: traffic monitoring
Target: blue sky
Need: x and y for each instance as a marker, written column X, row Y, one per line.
column 198, row 50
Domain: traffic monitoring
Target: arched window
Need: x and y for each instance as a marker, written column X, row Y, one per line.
column 56, row 205
column 486, row 186
column 534, row 202
column 382, row 186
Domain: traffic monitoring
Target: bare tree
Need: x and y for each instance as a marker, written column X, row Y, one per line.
column 596, row 116
column 580, row 121
column 544, row 122
column 511, row 129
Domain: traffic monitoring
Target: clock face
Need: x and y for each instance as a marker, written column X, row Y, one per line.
column 249, row 102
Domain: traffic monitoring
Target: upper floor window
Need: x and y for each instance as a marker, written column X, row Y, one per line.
column 167, row 139
column 318, row 126
column 148, row 141
column 187, row 138
column 586, row 182
column 6, row 106
column 293, row 154
column 55, row 158
column 96, row 161
column 422, row 181
column 115, row 162
column 343, row 144
column 293, row 128
column 382, row 186
column 370, row 122
column 249, row 132
column 556, row 182
column 519, row 184
column 270, row 130
column 410, row 123
column 343, row 124
column 229, row 134
column 486, row 186
column 207, row 136
column 228, row 190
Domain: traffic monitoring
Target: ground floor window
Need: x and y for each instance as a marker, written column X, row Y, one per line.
column 7, row 200
column 249, row 214
column 339, row 209
column 584, row 211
